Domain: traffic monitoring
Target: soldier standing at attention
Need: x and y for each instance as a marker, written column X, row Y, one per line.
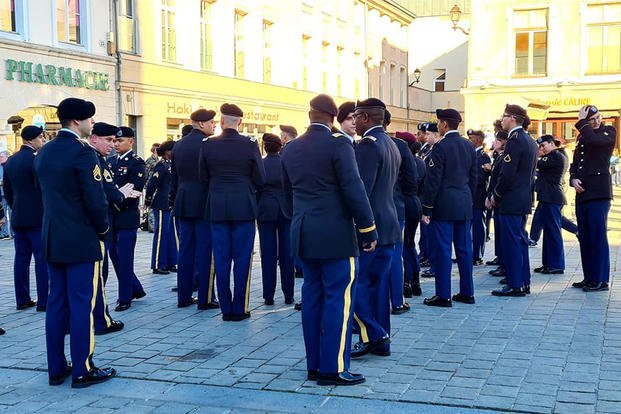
column 478, row 208
column 330, row 209
column 128, row 168
column 590, row 176
column 75, row 221
column 231, row 166
column 24, row 198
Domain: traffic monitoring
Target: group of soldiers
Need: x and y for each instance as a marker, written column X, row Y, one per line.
column 342, row 211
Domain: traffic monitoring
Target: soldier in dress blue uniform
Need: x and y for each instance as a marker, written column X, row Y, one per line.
column 274, row 222
column 551, row 168
column 329, row 204
column 378, row 162
column 345, row 117
column 478, row 208
column 590, row 176
column 432, row 136
column 189, row 196
column 232, row 167
column 447, row 209
column 24, row 198
column 128, row 168
column 499, row 147
column 74, row 204
column 513, row 196
column 164, row 251
column 102, row 141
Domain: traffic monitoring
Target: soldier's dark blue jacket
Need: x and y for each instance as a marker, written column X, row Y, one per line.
column 413, row 207
column 517, row 171
column 75, row 211
column 187, row 190
column 232, row 167
column 158, row 186
column 480, row 192
column 549, row 184
column 21, row 190
column 113, row 196
column 451, row 179
column 493, row 178
column 321, row 179
column 591, row 161
column 407, row 181
column 378, row 162
column 129, row 168
column 272, row 195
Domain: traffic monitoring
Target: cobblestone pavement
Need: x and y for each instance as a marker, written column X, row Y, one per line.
column 557, row 350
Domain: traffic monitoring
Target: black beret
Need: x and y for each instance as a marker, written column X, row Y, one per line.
column 422, row 127
column 186, row 130
column 75, row 108
column 165, row 146
column 105, row 130
column 545, row 138
column 371, row 103
column 289, row 130
column 448, row 114
column 515, row 110
column 432, row 127
column 231, row 110
column 591, row 111
column 126, row 132
column 345, row 109
column 502, row 135
column 324, row 103
column 31, row 132
column 387, row 117
column 202, row 115
column 267, row 137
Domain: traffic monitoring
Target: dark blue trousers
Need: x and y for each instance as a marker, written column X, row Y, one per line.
column 553, row 252
column 101, row 313
column 443, row 234
column 515, row 249
column 195, row 258
column 536, row 224
column 568, row 225
column 411, row 266
column 327, row 293
column 592, row 219
column 121, row 252
column 372, row 302
column 275, row 243
column 423, row 247
column 28, row 244
column 478, row 233
column 164, row 251
column 232, row 246
column 396, row 272
column 497, row 236
column 70, row 305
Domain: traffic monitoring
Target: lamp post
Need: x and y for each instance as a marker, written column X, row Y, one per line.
column 455, row 15
column 417, row 73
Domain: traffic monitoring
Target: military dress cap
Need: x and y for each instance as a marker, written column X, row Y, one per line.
column 288, row 129
column 126, row 132
column 101, row 129
column 432, row 127
column 324, row 103
column 75, row 108
column 202, row 115
column 371, row 103
column 406, row 136
column 545, row 138
column 387, row 117
column 231, row 110
column 345, row 109
column 502, row 135
column 422, row 127
column 31, row 132
column 275, row 139
column 448, row 114
column 515, row 110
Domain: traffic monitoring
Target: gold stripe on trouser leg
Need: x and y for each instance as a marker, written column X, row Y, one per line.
column 248, row 282
column 175, row 228
column 103, row 287
column 346, row 310
column 363, row 330
column 212, row 272
column 160, row 214
column 91, row 347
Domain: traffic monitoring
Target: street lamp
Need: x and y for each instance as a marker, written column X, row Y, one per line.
column 455, row 15
column 416, row 76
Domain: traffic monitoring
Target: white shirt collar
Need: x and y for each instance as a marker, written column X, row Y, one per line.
column 514, row 129
column 451, row 131
column 123, row 155
column 71, row 131
column 373, row 127
column 320, row 124
column 479, row 148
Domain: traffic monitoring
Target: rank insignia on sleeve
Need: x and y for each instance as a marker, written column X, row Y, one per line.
column 507, row 158
column 97, row 173
column 107, row 176
column 139, row 174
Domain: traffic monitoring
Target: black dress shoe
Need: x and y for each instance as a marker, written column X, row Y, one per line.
column 493, row 262
column 288, row 301
column 174, row 289
column 41, row 308
column 298, row 306
column 298, row 274
column 407, row 290
column 527, row 289
column 160, row 272
column 269, row 302
column 498, row 272
column 120, row 307
column 401, row 309
column 172, row 269
column 503, row 281
column 226, row 317
column 2, row 331
column 139, row 295
column 237, row 318
column 30, row 304
column 508, row 291
column 59, row 379
column 477, row 262
column 115, row 326
column 438, row 301
column 207, row 306
column 553, row 271
column 360, row 348
column 416, row 290
column 541, row 269
column 342, row 378
column 191, row 302
column 463, row 299
column 428, row 273
column 595, row 287
column 425, row 263
column 95, row 376
column 312, row 375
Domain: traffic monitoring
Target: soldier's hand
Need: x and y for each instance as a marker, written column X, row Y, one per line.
column 577, row 184
column 369, row 246
column 488, row 204
column 134, row 194
column 126, row 189
column 487, row 167
column 493, row 202
column 582, row 114
column 2, row 220
column 425, row 219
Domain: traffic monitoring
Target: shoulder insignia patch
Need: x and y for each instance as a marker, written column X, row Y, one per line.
column 337, row 135
column 205, row 139
column 431, row 164
column 253, row 139
column 97, row 173
column 370, row 137
column 107, row 176
column 507, row 158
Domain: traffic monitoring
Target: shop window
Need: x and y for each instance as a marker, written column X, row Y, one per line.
column 604, row 38
column 206, row 35
column 169, row 31
column 69, row 21
column 531, row 42
column 127, row 26
column 439, row 82
column 267, row 51
column 7, row 16
column 238, row 43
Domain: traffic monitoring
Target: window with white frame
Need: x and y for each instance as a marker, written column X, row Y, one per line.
column 305, row 60
column 127, row 26
column 382, row 77
column 603, row 38
column 206, row 35
column 8, row 21
column 339, row 70
column 439, row 82
column 267, row 51
column 169, row 31
column 358, row 67
column 239, row 54
column 403, row 85
column 530, row 29
column 393, row 84
column 68, row 21
column 325, row 48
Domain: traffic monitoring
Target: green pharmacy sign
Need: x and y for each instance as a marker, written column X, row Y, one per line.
column 55, row 75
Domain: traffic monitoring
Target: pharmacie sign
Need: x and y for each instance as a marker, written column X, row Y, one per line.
column 30, row 72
